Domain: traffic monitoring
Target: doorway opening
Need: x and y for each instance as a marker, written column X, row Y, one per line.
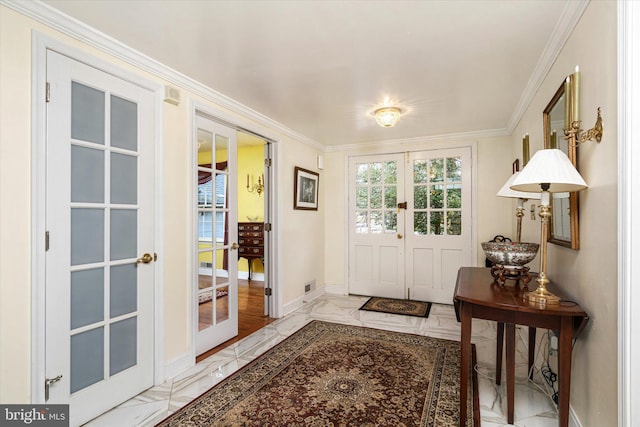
column 251, row 214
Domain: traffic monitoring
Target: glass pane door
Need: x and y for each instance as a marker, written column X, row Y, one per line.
column 217, row 230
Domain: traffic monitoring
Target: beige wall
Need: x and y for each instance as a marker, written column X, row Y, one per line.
column 302, row 232
column 589, row 275
column 313, row 243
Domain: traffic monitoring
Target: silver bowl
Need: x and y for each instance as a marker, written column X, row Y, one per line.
column 510, row 254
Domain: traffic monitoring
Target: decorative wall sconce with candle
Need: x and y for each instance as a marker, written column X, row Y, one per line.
column 258, row 187
column 561, row 121
column 572, row 120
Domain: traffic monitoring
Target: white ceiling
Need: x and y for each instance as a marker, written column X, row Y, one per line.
column 321, row 67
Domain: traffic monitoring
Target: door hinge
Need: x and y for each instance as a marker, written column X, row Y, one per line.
column 267, row 162
column 46, row 241
column 267, row 226
column 47, row 96
column 267, row 292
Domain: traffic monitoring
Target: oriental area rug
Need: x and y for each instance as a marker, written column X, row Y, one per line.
column 398, row 306
column 329, row 374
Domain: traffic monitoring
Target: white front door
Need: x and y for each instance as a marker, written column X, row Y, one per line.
column 100, row 222
column 438, row 226
column 410, row 223
column 376, row 226
column 217, row 248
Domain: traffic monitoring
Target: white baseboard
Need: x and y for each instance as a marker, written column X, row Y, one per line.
column 178, row 365
column 292, row 306
column 310, row 296
column 336, row 289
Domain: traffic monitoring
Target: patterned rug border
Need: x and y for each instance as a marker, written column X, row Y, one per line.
column 370, row 300
column 474, row 382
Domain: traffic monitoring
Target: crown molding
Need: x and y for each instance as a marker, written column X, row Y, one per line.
column 394, row 144
column 82, row 32
column 571, row 14
column 78, row 30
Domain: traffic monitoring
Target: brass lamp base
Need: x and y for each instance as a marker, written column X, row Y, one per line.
column 541, row 295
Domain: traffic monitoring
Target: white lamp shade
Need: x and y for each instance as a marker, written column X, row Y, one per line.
column 551, row 167
column 506, row 190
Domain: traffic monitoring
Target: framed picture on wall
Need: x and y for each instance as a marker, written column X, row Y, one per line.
column 305, row 189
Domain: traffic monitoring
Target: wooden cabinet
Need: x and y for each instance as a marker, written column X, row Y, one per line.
column 251, row 242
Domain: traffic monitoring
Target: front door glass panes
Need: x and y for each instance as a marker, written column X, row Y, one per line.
column 376, row 197
column 437, row 195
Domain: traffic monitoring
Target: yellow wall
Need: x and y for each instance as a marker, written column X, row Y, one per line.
column 250, row 205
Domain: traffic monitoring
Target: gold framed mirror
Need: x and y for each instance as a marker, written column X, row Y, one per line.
column 563, row 227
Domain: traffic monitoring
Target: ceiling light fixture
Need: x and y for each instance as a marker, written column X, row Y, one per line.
column 387, row 116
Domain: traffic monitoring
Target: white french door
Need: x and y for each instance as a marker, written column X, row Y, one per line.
column 100, row 221
column 410, row 223
column 376, row 226
column 438, row 227
column 217, row 234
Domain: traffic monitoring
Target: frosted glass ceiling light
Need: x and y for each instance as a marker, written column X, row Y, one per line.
column 387, row 116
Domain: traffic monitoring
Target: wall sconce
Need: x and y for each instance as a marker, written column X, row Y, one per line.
column 256, row 188
column 572, row 114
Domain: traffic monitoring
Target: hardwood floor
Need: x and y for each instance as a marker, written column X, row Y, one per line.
column 250, row 313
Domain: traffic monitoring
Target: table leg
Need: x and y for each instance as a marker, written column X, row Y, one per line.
column 499, row 343
column 465, row 360
column 564, row 369
column 511, row 369
column 532, row 349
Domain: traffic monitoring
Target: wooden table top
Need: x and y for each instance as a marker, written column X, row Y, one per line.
column 476, row 285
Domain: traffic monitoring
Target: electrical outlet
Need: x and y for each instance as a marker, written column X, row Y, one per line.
column 309, row 286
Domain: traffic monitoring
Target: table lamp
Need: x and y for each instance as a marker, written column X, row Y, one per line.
column 548, row 171
column 522, row 197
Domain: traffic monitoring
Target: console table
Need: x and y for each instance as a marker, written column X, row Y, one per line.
column 478, row 295
column 251, row 242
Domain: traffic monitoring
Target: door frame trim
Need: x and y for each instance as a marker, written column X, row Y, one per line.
column 425, row 145
column 217, row 114
column 41, row 43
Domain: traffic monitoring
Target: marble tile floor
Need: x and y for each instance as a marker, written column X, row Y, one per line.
column 533, row 408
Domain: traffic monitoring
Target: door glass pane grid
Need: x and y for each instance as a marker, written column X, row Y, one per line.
column 205, row 181
column 437, row 193
column 104, row 176
column 376, row 197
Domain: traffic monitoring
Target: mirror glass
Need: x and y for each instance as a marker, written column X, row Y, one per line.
column 563, row 229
